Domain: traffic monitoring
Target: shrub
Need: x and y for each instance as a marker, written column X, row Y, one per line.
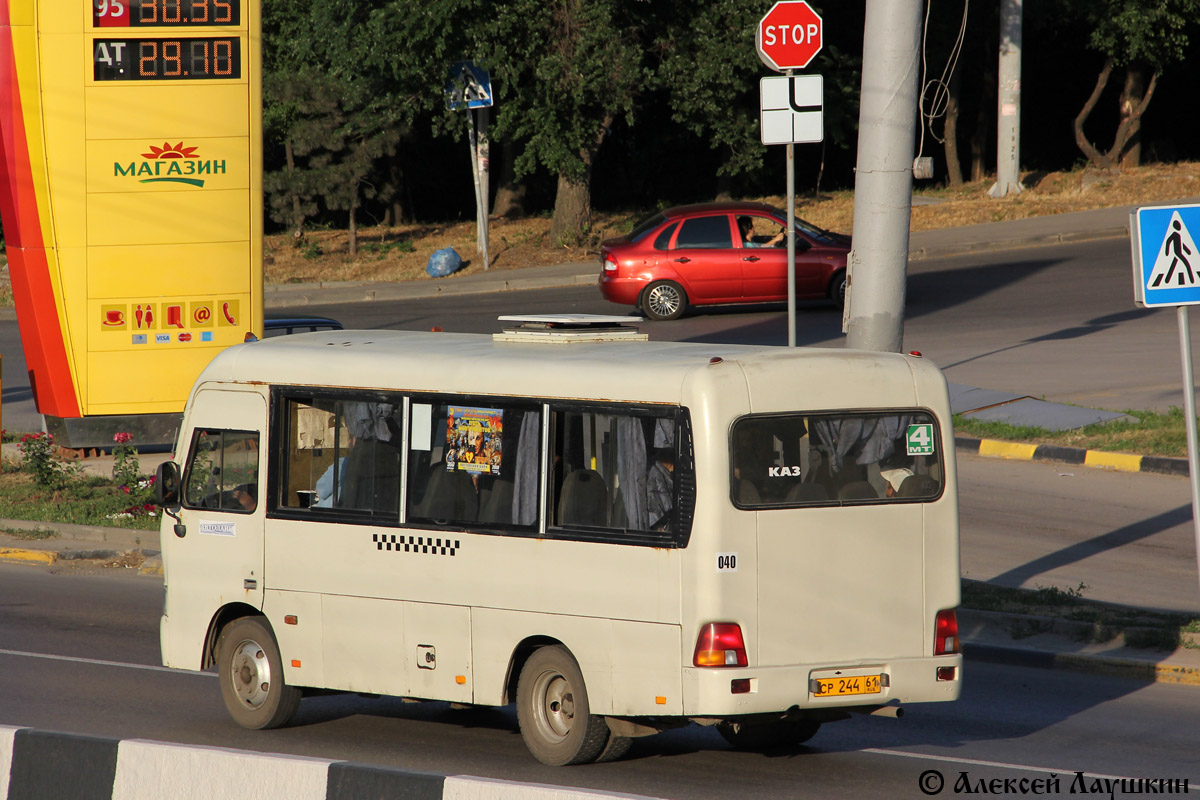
column 42, row 461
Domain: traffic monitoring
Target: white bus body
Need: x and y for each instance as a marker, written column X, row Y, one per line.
column 497, row 535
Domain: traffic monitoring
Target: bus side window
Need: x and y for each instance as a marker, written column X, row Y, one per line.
column 222, row 471
column 342, row 454
column 475, row 465
column 615, row 471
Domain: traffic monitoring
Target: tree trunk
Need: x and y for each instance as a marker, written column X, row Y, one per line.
column 984, row 122
column 950, row 134
column 573, row 201
column 297, row 212
column 1131, row 124
column 1131, row 98
column 397, row 211
column 510, row 195
column 1094, row 156
column 572, row 210
column 352, row 244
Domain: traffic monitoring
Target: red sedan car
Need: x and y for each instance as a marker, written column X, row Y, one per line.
column 713, row 253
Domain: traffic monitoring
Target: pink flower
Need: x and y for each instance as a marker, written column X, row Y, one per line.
column 123, row 438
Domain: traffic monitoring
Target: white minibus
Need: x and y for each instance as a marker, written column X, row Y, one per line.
column 620, row 536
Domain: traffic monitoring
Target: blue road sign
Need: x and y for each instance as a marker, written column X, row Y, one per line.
column 1166, row 265
column 468, row 86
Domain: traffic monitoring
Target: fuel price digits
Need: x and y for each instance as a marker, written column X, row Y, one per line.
column 166, row 59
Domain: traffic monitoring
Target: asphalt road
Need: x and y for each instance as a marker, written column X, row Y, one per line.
column 80, row 654
column 1054, row 322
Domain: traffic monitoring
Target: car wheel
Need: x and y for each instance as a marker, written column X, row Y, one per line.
column 837, row 288
column 765, row 735
column 251, row 673
column 664, row 300
column 553, row 713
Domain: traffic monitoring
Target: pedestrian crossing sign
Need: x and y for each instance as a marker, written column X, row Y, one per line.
column 1166, row 263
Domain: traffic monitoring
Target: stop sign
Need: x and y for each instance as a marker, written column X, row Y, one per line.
column 788, row 36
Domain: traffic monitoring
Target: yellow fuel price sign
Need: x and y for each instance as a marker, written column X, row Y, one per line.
column 131, row 194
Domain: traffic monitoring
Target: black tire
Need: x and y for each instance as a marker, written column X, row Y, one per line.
column 663, row 300
column 553, row 712
column 617, row 746
column 766, row 735
column 251, row 673
column 837, row 288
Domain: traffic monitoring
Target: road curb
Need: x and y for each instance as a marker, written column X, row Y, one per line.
column 1121, row 462
column 989, row 246
column 1133, row 669
column 39, row 763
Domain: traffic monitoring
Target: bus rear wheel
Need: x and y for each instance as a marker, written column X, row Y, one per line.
column 251, row 676
column 765, row 735
column 553, row 712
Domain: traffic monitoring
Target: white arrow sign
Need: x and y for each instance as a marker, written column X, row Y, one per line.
column 792, row 109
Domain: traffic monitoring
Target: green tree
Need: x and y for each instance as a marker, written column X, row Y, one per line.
column 331, row 103
column 565, row 71
column 1140, row 36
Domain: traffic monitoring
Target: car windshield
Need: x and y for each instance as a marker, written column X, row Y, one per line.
column 645, row 226
column 807, row 228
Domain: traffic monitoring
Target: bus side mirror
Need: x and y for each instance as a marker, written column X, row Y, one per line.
column 166, row 485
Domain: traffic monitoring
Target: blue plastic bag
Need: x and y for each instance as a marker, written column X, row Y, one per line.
column 443, row 262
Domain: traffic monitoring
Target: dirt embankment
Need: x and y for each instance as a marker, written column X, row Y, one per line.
column 400, row 253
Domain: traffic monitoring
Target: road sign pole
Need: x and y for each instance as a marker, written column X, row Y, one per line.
column 1189, row 408
column 482, row 155
column 791, row 242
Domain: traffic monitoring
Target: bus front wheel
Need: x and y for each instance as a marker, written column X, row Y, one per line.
column 765, row 735
column 552, row 710
column 251, row 673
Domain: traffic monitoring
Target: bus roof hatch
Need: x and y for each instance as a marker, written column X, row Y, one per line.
column 566, row 328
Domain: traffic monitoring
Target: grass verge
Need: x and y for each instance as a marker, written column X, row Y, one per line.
column 90, row 500
column 1146, row 433
column 1103, row 621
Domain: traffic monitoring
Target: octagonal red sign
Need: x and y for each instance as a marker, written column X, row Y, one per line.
column 788, row 36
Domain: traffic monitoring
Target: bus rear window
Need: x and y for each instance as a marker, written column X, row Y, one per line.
column 790, row 460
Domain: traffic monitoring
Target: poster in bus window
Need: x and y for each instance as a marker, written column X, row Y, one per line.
column 473, row 440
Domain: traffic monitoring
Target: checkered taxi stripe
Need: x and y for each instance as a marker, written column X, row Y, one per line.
column 415, row 544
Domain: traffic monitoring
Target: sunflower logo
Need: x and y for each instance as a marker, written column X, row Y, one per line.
column 169, row 150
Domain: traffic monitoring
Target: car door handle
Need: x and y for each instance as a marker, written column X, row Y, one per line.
column 750, row 258
column 683, row 260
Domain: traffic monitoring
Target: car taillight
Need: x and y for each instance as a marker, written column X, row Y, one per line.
column 945, row 633
column 720, row 644
column 609, row 263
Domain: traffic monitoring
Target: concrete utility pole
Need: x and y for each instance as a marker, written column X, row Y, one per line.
column 887, row 132
column 1008, row 103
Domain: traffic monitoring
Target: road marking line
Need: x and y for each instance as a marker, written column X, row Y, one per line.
column 1193, row 783
column 102, row 663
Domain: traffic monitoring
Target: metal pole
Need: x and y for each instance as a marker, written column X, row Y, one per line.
column 887, row 134
column 791, row 241
column 484, row 190
column 1189, row 407
column 474, row 144
column 1008, row 103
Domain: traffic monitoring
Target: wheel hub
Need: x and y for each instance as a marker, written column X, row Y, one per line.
column 251, row 674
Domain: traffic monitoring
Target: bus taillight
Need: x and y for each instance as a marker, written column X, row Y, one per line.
column 945, row 633
column 720, row 644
